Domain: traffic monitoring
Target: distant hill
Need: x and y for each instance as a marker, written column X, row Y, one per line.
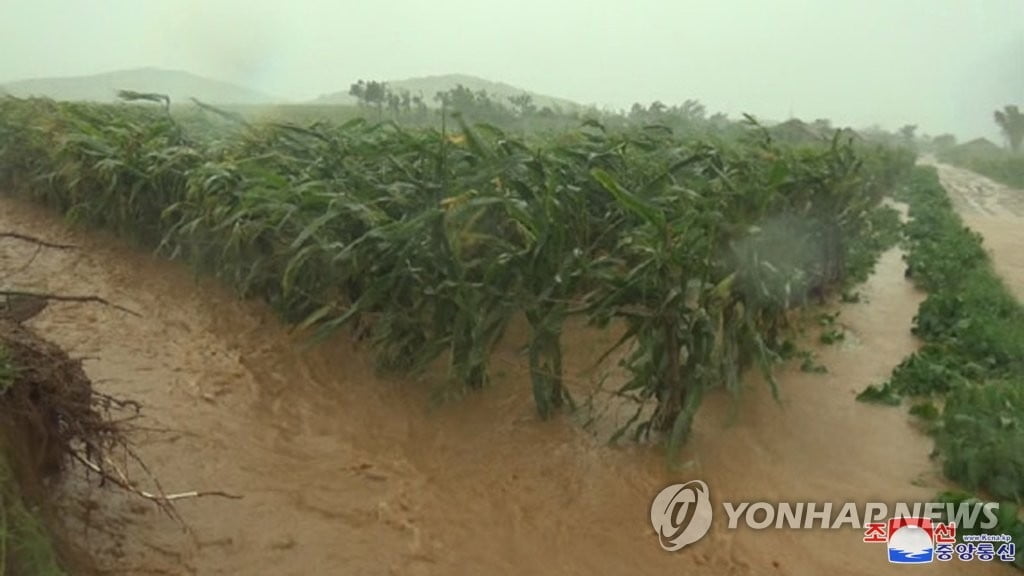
column 180, row 86
column 428, row 86
column 796, row 131
column 979, row 147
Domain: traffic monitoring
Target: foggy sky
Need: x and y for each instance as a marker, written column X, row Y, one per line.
column 942, row 64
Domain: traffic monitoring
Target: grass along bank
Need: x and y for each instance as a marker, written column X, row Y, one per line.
column 1000, row 165
column 967, row 380
column 25, row 545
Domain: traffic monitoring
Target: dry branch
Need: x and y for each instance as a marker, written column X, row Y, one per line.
column 163, row 500
column 34, row 240
column 65, row 298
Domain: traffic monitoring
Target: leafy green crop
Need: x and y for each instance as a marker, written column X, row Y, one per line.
column 427, row 242
column 973, row 357
column 1008, row 520
column 982, row 437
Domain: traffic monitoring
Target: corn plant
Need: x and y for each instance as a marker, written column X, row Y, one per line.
column 426, row 242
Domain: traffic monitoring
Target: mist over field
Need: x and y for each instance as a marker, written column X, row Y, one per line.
column 942, row 64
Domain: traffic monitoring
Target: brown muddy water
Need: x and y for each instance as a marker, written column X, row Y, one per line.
column 347, row 472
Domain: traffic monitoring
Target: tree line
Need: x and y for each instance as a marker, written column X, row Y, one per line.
column 479, row 105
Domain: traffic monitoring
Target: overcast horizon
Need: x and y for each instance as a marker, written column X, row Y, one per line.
column 943, row 64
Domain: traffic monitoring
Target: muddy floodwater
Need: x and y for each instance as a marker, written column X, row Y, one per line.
column 343, row 471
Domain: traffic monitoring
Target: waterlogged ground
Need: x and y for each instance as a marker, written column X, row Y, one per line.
column 346, row 472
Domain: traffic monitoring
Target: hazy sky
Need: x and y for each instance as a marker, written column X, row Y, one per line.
column 943, row 64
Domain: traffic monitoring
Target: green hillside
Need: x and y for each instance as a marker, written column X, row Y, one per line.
column 180, row 86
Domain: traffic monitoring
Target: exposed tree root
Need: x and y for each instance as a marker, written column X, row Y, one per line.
column 50, row 407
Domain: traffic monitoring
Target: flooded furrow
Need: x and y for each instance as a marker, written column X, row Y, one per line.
column 345, row 471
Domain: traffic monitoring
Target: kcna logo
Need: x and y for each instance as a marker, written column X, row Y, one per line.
column 920, row 541
column 681, row 515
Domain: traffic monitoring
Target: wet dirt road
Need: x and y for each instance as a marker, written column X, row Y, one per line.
column 347, row 472
column 997, row 212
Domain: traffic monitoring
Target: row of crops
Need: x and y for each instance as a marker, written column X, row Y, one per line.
column 429, row 242
column 968, row 378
